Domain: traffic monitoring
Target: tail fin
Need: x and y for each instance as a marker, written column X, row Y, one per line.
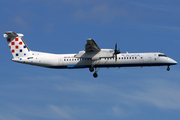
column 17, row 45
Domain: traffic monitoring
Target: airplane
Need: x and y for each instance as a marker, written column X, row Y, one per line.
column 92, row 57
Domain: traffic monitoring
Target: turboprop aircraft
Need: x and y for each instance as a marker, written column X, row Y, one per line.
column 92, row 57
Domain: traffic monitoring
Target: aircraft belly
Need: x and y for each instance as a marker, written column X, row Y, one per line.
column 79, row 64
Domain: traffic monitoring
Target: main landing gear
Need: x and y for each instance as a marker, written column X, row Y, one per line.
column 91, row 69
column 168, row 68
column 95, row 75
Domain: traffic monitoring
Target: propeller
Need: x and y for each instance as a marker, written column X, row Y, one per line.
column 116, row 52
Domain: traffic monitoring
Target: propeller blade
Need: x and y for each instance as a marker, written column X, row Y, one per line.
column 116, row 52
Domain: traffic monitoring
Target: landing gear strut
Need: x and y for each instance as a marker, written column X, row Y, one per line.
column 95, row 75
column 91, row 69
column 168, row 68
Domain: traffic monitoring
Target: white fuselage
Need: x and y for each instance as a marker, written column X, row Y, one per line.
column 92, row 57
column 70, row 61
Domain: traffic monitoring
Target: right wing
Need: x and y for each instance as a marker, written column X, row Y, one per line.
column 93, row 51
column 91, row 46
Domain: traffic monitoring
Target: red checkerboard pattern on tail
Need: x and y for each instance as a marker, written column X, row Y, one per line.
column 17, row 45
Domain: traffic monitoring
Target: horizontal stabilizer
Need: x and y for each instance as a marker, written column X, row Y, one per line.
column 12, row 34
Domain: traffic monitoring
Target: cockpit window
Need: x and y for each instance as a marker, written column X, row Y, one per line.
column 162, row 55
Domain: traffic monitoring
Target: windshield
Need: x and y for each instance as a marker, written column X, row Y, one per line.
column 162, row 55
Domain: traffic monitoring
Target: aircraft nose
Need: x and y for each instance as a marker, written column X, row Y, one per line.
column 173, row 62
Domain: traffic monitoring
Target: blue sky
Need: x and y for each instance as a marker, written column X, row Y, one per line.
column 62, row 26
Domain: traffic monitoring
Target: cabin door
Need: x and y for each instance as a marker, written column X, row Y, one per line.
column 141, row 59
column 61, row 61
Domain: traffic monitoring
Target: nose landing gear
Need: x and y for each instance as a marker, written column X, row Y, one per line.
column 168, row 68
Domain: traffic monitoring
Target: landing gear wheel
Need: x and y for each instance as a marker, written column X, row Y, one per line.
column 168, row 68
column 95, row 75
column 91, row 69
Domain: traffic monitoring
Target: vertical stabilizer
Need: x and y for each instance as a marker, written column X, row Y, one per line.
column 17, row 45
